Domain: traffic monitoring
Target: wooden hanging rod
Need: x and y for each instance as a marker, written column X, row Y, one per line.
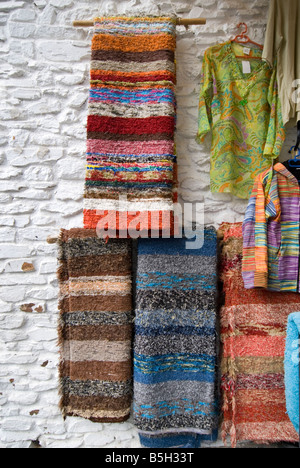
column 52, row 240
column 179, row 22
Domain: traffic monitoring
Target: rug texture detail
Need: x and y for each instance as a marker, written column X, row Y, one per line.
column 253, row 334
column 95, row 328
column 175, row 342
column 131, row 176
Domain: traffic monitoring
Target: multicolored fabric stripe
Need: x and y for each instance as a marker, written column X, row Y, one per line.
column 131, row 124
column 271, row 232
column 95, row 328
column 253, row 334
column 175, row 341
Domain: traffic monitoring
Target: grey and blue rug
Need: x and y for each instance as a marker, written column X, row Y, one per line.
column 175, row 344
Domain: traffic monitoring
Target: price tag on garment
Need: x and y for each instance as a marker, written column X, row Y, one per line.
column 246, row 67
column 246, row 50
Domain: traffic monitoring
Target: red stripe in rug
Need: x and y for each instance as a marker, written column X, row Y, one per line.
column 132, row 78
column 123, row 126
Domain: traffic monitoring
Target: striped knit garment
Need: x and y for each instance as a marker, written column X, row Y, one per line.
column 253, row 333
column 271, row 232
column 131, row 178
column 175, row 342
column 95, row 328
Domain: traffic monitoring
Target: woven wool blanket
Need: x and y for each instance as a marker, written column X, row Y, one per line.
column 131, row 176
column 253, row 334
column 175, row 342
column 95, row 326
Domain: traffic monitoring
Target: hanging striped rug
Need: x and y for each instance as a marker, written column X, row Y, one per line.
column 131, row 175
column 175, row 343
column 95, row 326
column 253, row 334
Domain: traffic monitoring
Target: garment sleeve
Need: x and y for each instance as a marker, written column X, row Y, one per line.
column 205, row 99
column 276, row 132
column 255, row 252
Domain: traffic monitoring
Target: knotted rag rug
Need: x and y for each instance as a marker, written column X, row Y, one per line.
column 175, row 342
column 253, row 333
column 131, row 178
column 95, row 326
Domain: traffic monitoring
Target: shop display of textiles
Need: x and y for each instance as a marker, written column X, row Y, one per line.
column 142, row 332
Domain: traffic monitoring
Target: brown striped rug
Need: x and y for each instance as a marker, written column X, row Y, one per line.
column 95, row 328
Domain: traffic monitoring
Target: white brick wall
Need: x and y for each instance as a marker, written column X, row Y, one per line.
column 44, row 82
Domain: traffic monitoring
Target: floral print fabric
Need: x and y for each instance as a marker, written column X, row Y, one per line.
column 243, row 112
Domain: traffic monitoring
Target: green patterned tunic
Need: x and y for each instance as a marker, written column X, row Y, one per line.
column 243, row 112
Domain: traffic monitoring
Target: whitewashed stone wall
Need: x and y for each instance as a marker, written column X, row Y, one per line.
column 44, row 82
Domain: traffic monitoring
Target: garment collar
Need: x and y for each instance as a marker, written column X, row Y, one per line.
column 279, row 167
